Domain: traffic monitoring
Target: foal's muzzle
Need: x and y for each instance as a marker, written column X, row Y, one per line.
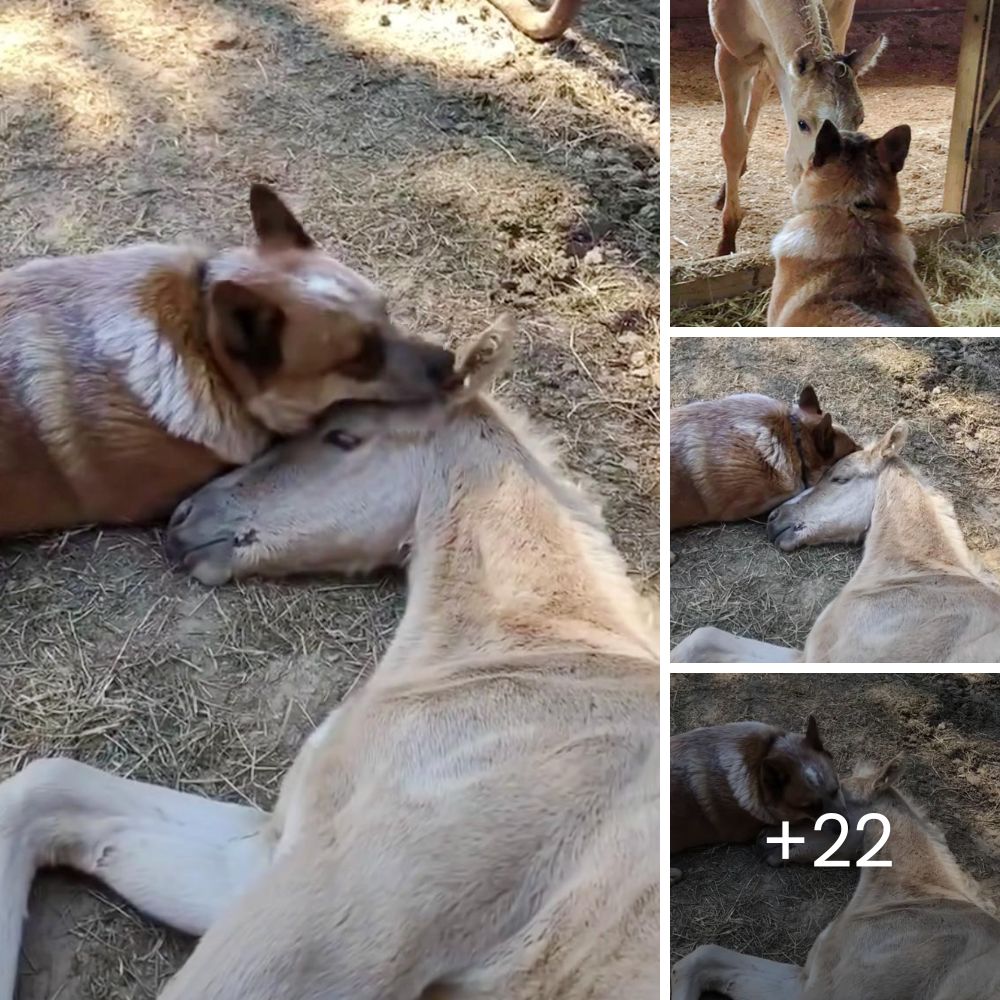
column 200, row 543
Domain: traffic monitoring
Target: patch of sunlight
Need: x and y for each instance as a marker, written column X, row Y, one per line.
column 40, row 65
column 456, row 40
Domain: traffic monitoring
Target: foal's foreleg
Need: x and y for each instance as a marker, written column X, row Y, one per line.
column 739, row 977
column 180, row 858
column 713, row 645
column 759, row 93
column 735, row 78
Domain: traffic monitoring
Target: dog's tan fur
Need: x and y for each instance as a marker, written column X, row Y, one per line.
column 844, row 258
column 130, row 377
column 918, row 930
column 729, row 782
column 737, row 457
column 480, row 820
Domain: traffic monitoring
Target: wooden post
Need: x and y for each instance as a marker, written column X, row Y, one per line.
column 972, row 179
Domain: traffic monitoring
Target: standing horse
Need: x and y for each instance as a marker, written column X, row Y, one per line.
column 799, row 48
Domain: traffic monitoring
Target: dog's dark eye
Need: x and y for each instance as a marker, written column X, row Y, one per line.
column 803, row 126
column 342, row 440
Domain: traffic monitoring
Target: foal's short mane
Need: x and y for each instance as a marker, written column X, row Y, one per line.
column 889, row 798
column 818, row 28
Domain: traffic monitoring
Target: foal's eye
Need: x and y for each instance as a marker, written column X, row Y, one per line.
column 803, row 126
column 342, row 440
column 840, row 480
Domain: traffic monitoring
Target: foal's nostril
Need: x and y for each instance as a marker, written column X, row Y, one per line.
column 181, row 513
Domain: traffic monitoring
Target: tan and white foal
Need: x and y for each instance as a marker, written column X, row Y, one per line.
column 481, row 819
column 918, row 930
column 918, row 595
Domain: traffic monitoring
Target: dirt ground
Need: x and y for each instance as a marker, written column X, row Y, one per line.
column 912, row 84
column 947, row 727
column 948, row 390
column 463, row 167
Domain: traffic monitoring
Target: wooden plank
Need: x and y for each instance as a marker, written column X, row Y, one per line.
column 970, row 64
column 698, row 282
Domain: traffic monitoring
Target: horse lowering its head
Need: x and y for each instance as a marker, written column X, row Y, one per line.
column 822, row 85
column 839, row 508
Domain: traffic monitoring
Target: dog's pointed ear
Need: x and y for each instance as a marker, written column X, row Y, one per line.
column 828, row 144
column 487, row 356
column 823, row 436
column 892, row 148
column 809, row 401
column 812, row 735
column 274, row 222
column 249, row 327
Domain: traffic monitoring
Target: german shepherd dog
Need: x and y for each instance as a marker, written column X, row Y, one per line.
column 727, row 783
column 131, row 377
column 844, row 259
column 737, row 457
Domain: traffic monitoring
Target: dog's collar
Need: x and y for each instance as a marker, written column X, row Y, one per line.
column 797, row 438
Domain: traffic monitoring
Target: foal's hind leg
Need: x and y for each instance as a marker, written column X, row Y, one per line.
column 180, row 858
column 759, row 93
column 739, row 977
column 735, row 78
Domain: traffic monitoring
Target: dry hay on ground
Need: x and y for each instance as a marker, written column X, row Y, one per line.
column 466, row 169
column 962, row 280
column 947, row 388
column 947, row 726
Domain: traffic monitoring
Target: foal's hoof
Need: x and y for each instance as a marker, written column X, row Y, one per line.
column 727, row 245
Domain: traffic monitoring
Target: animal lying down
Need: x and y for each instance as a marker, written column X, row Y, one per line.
column 727, row 783
column 920, row 929
column 737, row 457
column 480, row 818
column 128, row 378
column 919, row 594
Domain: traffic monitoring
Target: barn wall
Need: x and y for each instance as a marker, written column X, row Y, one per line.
column 699, row 8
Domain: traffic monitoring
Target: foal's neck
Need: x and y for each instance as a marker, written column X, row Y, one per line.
column 510, row 558
column 922, row 863
column 793, row 25
column 914, row 528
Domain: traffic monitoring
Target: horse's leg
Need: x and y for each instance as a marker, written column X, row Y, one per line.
column 739, row 977
column 840, row 14
column 735, row 78
column 713, row 645
column 762, row 84
column 179, row 858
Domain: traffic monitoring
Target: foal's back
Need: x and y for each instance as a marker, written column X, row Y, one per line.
column 525, row 794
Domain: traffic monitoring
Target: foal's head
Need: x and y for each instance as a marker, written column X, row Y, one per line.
column 343, row 497
column 823, row 87
column 839, row 508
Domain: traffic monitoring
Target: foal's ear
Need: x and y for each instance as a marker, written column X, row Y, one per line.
column 892, row 444
column 888, row 773
column 827, row 144
column 809, row 401
column 487, row 356
column 274, row 222
column 892, row 148
column 865, row 59
column 802, row 61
